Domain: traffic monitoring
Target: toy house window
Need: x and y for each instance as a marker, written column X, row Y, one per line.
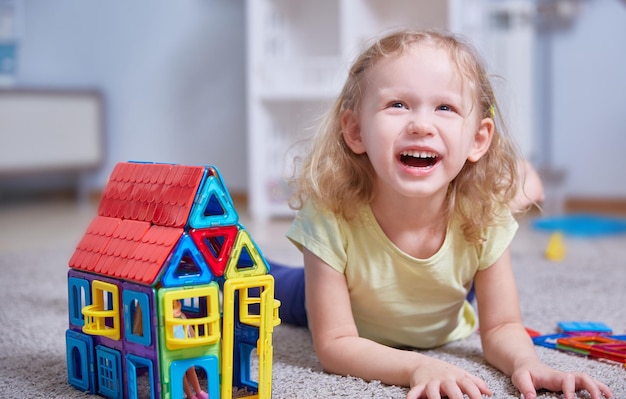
column 215, row 245
column 214, row 207
column 187, row 268
column 78, row 296
column 191, row 305
column 191, row 329
column 137, row 326
column 246, row 260
column 103, row 316
column 250, row 306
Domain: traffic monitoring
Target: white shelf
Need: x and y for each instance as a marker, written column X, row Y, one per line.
column 298, row 55
column 299, row 78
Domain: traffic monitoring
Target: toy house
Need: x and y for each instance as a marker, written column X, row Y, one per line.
column 165, row 236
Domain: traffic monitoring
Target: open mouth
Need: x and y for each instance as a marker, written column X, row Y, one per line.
column 419, row 159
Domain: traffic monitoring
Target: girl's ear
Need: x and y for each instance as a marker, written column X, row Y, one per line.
column 352, row 132
column 482, row 140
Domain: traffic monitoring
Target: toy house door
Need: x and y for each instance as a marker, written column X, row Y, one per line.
column 250, row 310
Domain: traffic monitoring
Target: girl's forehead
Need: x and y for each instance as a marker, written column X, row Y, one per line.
column 421, row 61
column 427, row 54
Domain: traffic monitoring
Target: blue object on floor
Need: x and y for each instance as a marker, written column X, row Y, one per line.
column 582, row 225
column 584, row 326
column 549, row 341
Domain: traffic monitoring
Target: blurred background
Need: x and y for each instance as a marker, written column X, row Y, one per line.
column 85, row 84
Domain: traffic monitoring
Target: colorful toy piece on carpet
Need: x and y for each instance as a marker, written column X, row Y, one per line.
column 555, row 251
column 587, row 338
column 168, row 294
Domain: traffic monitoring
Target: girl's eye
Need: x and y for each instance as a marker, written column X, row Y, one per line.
column 397, row 104
column 445, row 107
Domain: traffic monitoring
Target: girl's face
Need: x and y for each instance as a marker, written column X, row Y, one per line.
column 417, row 123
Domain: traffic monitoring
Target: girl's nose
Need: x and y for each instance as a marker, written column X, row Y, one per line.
column 422, row 128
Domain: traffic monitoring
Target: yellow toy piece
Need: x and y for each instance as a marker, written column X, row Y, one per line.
column 258, row 267
column 555, row 250
column 265, row 322
column 206, row 330
column 97, row 314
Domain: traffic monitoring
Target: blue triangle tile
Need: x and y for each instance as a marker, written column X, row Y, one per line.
column 186, row 265
column 213, row 205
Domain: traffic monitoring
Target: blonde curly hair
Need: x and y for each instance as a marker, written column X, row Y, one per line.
column 334, row 178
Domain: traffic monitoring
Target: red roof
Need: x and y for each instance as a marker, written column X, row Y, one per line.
column 126, row 249
column 161, row 194
column 141, row 217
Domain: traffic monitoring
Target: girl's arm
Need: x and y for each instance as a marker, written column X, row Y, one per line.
column 507, row 345
column 340, row 350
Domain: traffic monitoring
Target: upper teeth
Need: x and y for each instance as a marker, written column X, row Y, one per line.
column 419, row 154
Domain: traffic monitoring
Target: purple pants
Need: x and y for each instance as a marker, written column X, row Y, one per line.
column 289, row 290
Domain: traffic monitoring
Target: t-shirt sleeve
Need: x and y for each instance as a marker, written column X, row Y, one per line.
column 498, row 239
column 321, row 233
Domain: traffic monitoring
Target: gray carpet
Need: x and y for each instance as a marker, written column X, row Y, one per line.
column 587, row 285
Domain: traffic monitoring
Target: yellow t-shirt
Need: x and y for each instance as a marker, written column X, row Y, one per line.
column 399, row 300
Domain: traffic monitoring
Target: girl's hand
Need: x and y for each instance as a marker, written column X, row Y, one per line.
column 436, row 379
column 530, row 377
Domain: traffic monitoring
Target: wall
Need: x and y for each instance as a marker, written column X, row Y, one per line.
column 588, row 107
column 172, row 73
